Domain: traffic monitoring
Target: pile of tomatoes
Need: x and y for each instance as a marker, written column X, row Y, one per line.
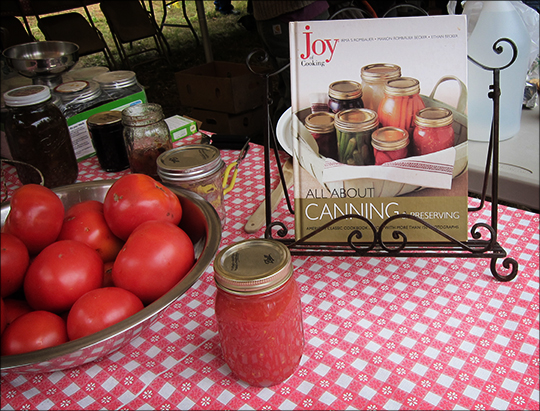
column 69, row 273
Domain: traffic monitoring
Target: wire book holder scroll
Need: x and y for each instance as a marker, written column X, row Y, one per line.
column 483, row 236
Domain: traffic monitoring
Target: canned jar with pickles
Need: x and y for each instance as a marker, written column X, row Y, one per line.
column 353, row 132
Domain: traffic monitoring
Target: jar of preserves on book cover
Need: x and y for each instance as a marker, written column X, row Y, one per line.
column 146, row 136
column 344, row 94
column 321, row 127
column 400, row 103
column 37, row 134
column 353, row 132
column 389, row 144
column 374, row 77
column 258, row 311
column 433, row 131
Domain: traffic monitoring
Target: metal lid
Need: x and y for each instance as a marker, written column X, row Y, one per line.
column 389, row 138
column 403, row 86
column 320, row 122
column 380, row 72
column 356, row 119
column 345, row 90
column 104, row 118
column 71, row 87
column 188, row 163
column 253, row 266
column 27, row 95
column 79, row 91
column 116, row 79
column 434, row 117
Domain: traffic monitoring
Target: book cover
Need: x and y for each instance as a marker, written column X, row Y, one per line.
column 377, row 126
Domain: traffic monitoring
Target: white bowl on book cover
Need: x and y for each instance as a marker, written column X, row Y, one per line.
column 292, row 126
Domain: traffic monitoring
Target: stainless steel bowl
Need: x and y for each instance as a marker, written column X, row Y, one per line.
column 43, row 61
column 204, row 228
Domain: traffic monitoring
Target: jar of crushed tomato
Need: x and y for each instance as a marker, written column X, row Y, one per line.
column 353, row 133
column 433, row 131
column 389, row 144
column 374, row 77
column 344, row 94
column 400, row 103
column 258, row 311
column 321, row 127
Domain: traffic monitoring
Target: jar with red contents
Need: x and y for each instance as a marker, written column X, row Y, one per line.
column 389, row 144
column 433, row 131
column 344, row 95
column 400, row 103
column 321, row 126
column 258, row 311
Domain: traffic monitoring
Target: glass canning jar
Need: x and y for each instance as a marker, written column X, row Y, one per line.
column 80, row 95
column 37, row 134
column 119, row 83
column 106, row 131
column 344, row 94
column 400, row 103
column 389, row 144
column 197, row 168
column 353, row 131
column 258, row 311
column 146, row 136
column 374, row 77
column 321, row 126
column 433, row 131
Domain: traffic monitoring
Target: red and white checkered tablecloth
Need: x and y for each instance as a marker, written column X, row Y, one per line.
column 381, row 333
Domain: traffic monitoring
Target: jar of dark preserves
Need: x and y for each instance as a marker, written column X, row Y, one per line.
column 344, row 94
column 146, row 136
column 107, row 133
column 321, row 126
column 37, row 134
column 433, row 131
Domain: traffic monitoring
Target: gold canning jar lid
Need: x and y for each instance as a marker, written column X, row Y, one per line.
column 434, row 117
column 380, row 72
column 356, row 119
column 320, row 122
column 345, row 90
column 189, row 163
column 389, row 139
column 254, row 266
column 403, row 86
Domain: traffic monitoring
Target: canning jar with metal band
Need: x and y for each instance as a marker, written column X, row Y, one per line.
column 146, row 136
column 374, row 77
column 433, row 131
column 353, row 131
column 119, row 83
column 37, row 134
column 344, row 94
column 258, row 311
column 80, row 95
column 106, row 131
column 198, row 168
column 389, row 144
column 400, row 103
column 321, row 127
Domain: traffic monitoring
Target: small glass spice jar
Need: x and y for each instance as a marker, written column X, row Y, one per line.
column 106, row 131
column 37, row 134
column 374, row 77
column 198, row 168
column 389, row 144
column 344, row 94
column 353, row 131
column 119, row 83
column 258, row 311
column 321, row 127
column 400, row 103
column 146, row 136
column 433, row 131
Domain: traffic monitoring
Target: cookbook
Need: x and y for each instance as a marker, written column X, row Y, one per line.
column 378, row 127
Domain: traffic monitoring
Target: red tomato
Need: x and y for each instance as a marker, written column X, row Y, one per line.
column 85, row 222
column 14, row 262
column 107, row 274
column 3, row 316
column 60, row 274
column 99, row 309
column 136, row 198
column 33, row 331
column 35, row 217
column 155, row 257
column 15, row 308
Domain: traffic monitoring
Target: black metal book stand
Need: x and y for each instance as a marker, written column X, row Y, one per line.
column 475, row 247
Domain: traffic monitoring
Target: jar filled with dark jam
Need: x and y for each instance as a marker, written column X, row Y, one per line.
column 344, row 95
column 146, row 136
column 321, row 127
column 106, row 131
column 37, row 134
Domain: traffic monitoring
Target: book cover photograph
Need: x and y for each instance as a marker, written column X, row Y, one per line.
column 377, row 127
